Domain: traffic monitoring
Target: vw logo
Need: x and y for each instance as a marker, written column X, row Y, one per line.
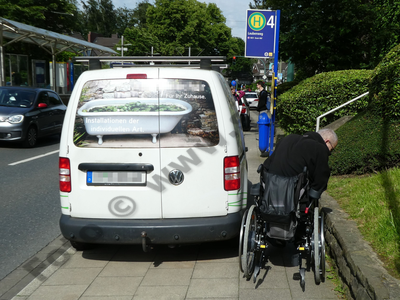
column 176, row 177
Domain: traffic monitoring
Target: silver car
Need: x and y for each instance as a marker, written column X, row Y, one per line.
column 252, row 99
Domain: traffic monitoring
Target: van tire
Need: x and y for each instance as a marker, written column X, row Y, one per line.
column 81, row 246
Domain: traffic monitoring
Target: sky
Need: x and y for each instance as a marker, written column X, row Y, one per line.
column 234, row 12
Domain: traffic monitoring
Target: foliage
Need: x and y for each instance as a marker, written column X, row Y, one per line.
column 180, row 24
column 367, row 143
column 65, row 56
column 284, row 87
column 243, row 66
column 385, row 86
column 326, row 35
column 141, row 41
column 99, row 16
column 373, row 201
column 132, row 18
column 54, row 15
column 300, row 106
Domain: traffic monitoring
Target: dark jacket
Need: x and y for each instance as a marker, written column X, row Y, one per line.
column 263, row 103
column 294, row 152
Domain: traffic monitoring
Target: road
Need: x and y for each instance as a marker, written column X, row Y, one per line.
column 29, row 201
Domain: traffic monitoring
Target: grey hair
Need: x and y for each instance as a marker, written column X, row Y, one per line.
column 328, row 134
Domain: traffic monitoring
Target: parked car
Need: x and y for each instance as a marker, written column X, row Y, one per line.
column 27, row 114
column 252, row 99
column 151, row 156
column 245, row 114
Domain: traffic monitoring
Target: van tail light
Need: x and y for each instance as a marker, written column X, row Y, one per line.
column 244, row 109
column 231, row 173
column 136, row 76
column 65, row 174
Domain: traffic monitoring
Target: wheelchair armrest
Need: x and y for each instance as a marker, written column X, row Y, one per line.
column 255, row 189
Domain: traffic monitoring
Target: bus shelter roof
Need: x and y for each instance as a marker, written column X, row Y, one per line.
column 52, row 42
column 19, row 32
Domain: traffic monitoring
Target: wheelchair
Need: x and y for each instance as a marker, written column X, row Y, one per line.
column 283, row 212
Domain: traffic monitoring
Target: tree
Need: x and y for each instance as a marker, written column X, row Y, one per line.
column 141, row 41
column 99, row 16
column 140, row 14
column 124, row 19
column 180, row 24
column 54, row 15
column 328, row 35
column 243, row 66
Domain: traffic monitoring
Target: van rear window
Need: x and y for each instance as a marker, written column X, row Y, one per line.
column 140, row 113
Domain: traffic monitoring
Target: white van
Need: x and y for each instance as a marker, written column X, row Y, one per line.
column 151, row 156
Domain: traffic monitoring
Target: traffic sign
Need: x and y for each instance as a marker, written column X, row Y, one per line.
column 261, row 33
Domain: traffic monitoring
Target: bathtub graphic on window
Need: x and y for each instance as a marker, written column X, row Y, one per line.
column 132, row 116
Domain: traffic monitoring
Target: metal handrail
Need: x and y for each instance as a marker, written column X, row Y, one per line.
column 332, row 110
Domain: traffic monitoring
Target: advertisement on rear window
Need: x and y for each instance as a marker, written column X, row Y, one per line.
column 146, row 113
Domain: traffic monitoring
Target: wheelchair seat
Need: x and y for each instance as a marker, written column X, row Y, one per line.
column 279, row 203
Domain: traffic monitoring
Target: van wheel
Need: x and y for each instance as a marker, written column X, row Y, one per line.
column 81, row 246
column 31, row 138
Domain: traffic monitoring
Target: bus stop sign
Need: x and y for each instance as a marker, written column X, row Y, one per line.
column 261, row 33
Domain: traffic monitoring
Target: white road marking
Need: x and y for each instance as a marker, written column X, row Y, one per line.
column 32, row 158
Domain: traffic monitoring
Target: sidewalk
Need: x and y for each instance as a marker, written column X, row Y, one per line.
column 206, row 271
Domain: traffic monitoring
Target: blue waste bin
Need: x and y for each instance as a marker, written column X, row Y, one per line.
column 264, row 124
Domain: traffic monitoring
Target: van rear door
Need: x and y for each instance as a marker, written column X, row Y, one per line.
column 115, row 146
column 191, row 155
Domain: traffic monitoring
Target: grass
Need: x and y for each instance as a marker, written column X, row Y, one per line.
column 333, row 275
column 373, row 201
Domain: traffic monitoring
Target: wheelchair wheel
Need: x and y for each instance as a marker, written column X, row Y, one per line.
column 322, row 241
column 249, row 243
column 317, row 247
column 242, row 228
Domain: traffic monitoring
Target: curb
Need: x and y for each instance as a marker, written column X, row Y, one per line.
column 360, row 270
column 33, row 268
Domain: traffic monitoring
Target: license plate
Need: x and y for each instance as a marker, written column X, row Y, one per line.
column 116, row 178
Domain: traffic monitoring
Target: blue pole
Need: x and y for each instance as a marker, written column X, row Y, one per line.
column 276, row 54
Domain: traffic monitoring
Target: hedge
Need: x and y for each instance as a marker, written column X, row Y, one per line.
column 299, row 107
column 367, row 143
column 385, row 85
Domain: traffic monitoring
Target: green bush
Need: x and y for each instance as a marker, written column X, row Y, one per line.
column 300, row 106
column 367, row 143
column 284, row 87
column 385, row 85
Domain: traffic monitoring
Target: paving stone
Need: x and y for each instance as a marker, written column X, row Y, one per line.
column 160, row 277
column 58, row 292
column 216, row 270
column 213, row 288
column 78, row 276
column 122, row 268
column 161, row 293
column 267, row 279
column 265, row 294
column 113, row 286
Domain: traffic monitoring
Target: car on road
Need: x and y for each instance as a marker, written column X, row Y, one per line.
column 252, row 99
column 27, row 114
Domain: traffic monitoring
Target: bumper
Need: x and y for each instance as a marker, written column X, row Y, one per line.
column 10, row 135
column 160, row 231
